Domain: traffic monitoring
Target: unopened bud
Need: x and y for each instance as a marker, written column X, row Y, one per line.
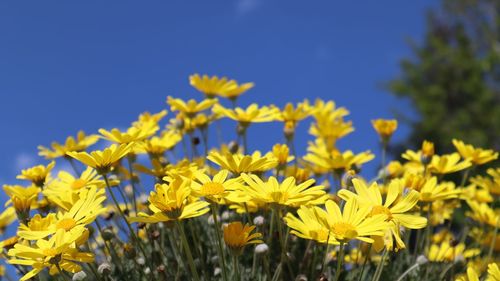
column 261, row 249
column 226, row 215
column 107, row 234
column 258, row 220
column 79, row 276
column 129, row 191
column 233, row 147
column 217, row 271
column 140, row 260
column 104, row 269
column 422, row 260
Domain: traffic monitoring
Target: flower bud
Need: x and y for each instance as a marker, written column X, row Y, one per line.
column 79, row 276
column 261, row 249
column 258, row 220
column 422, row 260
column 104, row 269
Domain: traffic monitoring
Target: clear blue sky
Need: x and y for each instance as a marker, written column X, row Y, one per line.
column 70, row 65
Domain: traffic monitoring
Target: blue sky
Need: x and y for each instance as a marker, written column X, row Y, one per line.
column 71, row 65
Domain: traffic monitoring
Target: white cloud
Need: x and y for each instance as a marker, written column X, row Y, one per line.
column 244, row 7
column 24, row 160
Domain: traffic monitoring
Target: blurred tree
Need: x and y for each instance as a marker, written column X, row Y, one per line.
column 453, row 80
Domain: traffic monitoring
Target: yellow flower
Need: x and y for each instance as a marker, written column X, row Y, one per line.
column 38, row 174
column 146, row 119
column 80, row 143
column 492, row 183
column 282, row 154
column 476, row 193
column 385, row 128
column 172, row 202
column 215, row 86
column 237, row 236
column 354, row 222
column 397, row 208
column 335, row 160
column 286, row 193
column 471, row 275
column 444, row 252
column 103, row 160
column 245, row 116
column 239, row 163
column 477, row 156
column 215, row 189
column 330, row 130
column 84, row 212
column 22, row 198
column 427, row 149
column 432, row 191
column 449, row 163
column 481, row 212
column 157, row 146
column 7, row 217
column 322, row 110
column 493, row 272
column 133, row 134
column 191, row 107
column 60, row 251
column 292, row 115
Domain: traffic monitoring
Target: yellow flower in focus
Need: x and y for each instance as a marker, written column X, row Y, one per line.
column 385, row 128
column 157, row 146
column 353, row 223
column 246, row 116
column 310, row 224
column 37, row 174
column 478, row 156
column 286, row 193
column 293, row 115
column 103, row 160
column 330, row 130
column 427, row 149
column 239, row 163
column 237, row 236
column 282, row 154
column 215, row 189
column 60, row 251
column 191, row 107
column 446, row 164
column 80, row 143
column 445, row 252
column 170, row 202
column 215, row 86
column 133, row 134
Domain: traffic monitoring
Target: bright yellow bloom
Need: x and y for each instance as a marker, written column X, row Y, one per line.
column 103, row 160
column 444, row 252
column 432, row 191
column 146, row 119
column 477, row 156
column 133, row 134
column 215, row 86
column 292, row 115
column 191, row 107
column 61, row 250
column 215, row 189
column 286, row 193
column 80, row 143
column 239, row 163
column 251, row 114
column 449, row 163
column 481, row 212
column 330, row 130
column 37, row 174
column 471, row 275
column 84, row 212
column 476, row 193
column 427, row 148
column 322, row 110
column 171, row 202
column 397, row 208
column 385, row 128
column 237, row 236
column 492, row 183
column 354, row 222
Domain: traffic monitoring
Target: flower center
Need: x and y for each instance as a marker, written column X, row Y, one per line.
column 279, row 196
column 377, row 210
column 66, row 224
column 50, row 252
column 212, row 188
column 344, row 231
column 78, row 184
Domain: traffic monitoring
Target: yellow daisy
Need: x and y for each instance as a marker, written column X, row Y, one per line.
column 79, row 143
column 103, row 160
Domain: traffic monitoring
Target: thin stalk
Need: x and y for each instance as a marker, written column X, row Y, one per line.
column 134, row 191
column 220, row 249
column 365, row 261
column 493, row 241
column 325, row 258
column 236, row 268
column 339, row 262
column 413, row 267
column 187, row 250
column 380, row 266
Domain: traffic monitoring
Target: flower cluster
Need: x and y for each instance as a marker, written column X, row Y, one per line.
column 179, row 200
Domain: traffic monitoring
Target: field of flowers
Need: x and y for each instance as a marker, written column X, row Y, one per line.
column 192, row 211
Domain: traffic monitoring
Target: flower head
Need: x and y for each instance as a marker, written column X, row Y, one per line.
column 239, row 163
column 245, row 116
column 478, row 156
column 237, row 236
column 215, row 86
column 79, row 143
column 191, row 107
column 385, row 128
column 103, row 160
column 38, row 174
column 449, row 163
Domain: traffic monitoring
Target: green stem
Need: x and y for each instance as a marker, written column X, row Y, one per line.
column 380, row 266
column 493, row 241
column 236, row 268
column 365, row 261
column 187, row 250
column 339, row 262
column 134, row 191
column 220, row 249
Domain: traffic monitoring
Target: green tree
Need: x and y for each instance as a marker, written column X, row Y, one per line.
column 453, row 78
